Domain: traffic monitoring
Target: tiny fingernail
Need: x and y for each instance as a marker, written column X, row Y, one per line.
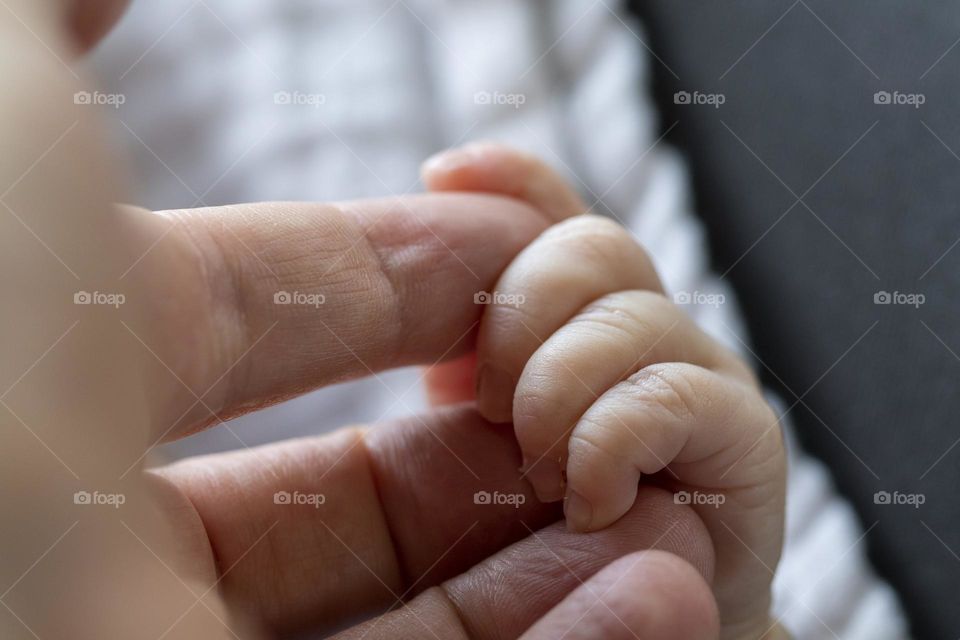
column 495, row 394
column 578, row 511
column 547, row 479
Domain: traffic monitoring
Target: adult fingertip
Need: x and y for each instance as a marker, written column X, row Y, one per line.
column 680, row 605
column 650, row 594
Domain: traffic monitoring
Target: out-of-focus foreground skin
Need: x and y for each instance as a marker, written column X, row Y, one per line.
column 70, row 382
column 71, row 397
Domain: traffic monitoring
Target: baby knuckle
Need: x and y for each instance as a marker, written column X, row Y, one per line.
column 667, row 388
column 641, row 319
column 643, row 305
column 608, row 319
column 636, row 306
column 590, row 234
column 595, row 439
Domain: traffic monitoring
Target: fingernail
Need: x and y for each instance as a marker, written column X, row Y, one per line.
column 578, row 511
column 495, row 394
column 547, row 479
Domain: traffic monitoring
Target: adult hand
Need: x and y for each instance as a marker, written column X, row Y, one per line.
column 122, row 328
column 383, row 515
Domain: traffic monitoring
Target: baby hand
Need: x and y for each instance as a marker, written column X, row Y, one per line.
column 607, row 381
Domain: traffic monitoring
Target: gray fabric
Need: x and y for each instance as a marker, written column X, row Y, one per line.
column 878, row 387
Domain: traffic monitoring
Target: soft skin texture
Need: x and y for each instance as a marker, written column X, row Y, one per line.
column 609, row 384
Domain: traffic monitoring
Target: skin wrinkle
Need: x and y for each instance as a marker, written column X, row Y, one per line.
column 427, row 254
column 394, row 574
column 772, row 452
column 636, row 308
column 398, row 556
column 462, row 423
column 228, row 259
column 290, row 273
column 354, row 236
column 652, row 317
column 226, row 329
column 236, row 310
column 393, row 293
column 580, row 440
column 192, row 477
column 455, row 608
column 661, row 381
column 533, row 401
